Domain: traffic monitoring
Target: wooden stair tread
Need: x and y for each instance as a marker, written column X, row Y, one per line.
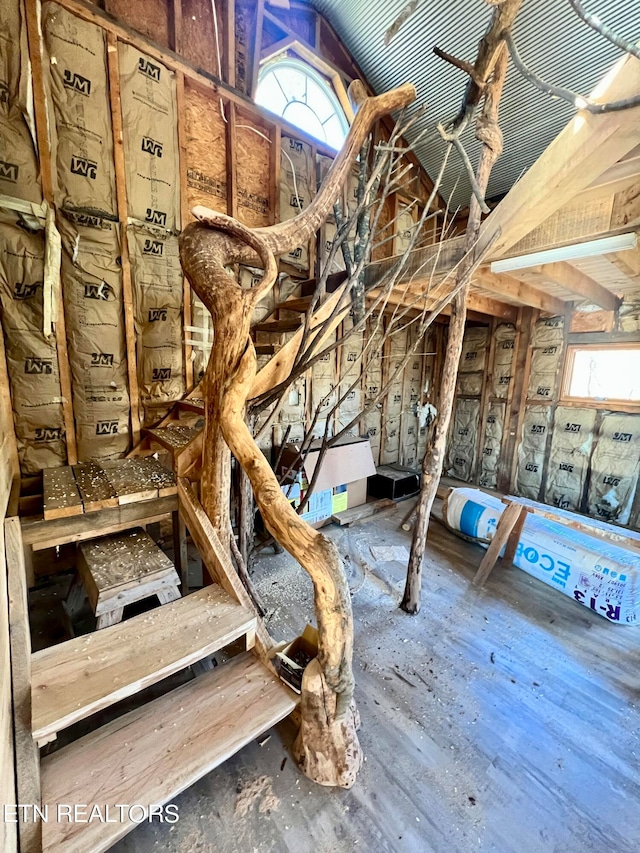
column 60, row 493
column 191, row 404
column 278, row 325
column 122, row 560
column 174, row 436
column 296, row 303
column 139, row 478
column 73, row 680
column 95, row 489
column 153, row 753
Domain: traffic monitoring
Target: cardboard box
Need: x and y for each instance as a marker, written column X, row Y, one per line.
column 356, row 493
column 349, row 461
column 291, row 661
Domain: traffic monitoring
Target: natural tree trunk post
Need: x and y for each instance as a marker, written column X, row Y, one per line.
column 327, row 745
column 489, row 133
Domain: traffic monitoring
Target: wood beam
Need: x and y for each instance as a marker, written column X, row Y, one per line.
column 584, row 150
column 482, row 305
column 519, row 291
column 578, row 282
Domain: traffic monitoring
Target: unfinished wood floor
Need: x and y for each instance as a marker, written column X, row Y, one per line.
column 502, row 719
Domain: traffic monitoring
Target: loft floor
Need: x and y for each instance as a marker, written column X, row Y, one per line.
column 504, row 719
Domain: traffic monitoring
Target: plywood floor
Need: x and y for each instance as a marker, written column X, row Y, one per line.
column 504, row 719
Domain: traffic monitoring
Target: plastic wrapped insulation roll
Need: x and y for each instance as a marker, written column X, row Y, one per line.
column 594, row 572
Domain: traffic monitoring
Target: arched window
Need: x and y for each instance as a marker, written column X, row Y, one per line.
column 292, row 89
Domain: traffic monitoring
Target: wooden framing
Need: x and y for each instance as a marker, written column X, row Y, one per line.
column 581, row 284
column 123, row 215
column 26, row 751
column 566, row 399
column 184, row 218
column 587, row 147
column 46, row 174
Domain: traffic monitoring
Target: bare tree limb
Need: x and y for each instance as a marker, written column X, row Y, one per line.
column 600, row 27
column 561, row 92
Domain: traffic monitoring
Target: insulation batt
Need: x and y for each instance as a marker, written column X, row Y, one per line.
column 597, row 574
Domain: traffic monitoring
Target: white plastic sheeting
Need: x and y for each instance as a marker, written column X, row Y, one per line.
column 597, row 574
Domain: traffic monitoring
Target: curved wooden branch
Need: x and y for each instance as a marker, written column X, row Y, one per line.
column 206, row 248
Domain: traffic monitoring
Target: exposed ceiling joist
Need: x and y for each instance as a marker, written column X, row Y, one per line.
column 519, row 291
column 578, row 282
column 586, row 148
column 414, row 298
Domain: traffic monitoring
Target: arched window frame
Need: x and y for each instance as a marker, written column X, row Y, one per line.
column 324, row 75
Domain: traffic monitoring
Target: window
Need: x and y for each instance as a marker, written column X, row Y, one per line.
column 603, row 373
column 292, row 89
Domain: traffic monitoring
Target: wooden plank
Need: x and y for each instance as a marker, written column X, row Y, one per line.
column 217, row 560
column 203, row 723
column 123, row 215
column 584, row 150
column 185, row 217
column 180, row 551
column 113, row 565
column 8, row 795
column 514, row 538
column 27, row 758
column 357, row 513
column 72, row 680
column 139, row 478
column 521, row 367
column 578, row 282
column 506, row 524
column 95, row 489
column 173, row 437
column 621, row 536
column 60, row 493
column 508, row 286
column 38, row 534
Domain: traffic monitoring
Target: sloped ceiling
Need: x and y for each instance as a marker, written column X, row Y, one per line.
column 551, row 39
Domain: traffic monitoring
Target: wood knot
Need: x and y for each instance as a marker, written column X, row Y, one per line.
column 490, row 134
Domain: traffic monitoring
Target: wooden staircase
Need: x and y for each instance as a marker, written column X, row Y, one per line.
column 148, row 755
column 72, row 680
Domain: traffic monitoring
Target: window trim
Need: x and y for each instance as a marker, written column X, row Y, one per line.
column 318, row 75
column 595, row 402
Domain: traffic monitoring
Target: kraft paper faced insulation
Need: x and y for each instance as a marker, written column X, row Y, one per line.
column 94, row 314
column 463, row 439
column 82, row 138
column 19, row 171
column 531, row 450
column 297, row 189
column 148, row 94
column 491, row 445
column 547, row 345
column 157, row 305
column 615, row 465
column 32, row 359
column 474, row 349
column 568, row 462
column 505, row 336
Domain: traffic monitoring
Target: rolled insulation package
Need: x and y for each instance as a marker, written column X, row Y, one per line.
column 594, row 572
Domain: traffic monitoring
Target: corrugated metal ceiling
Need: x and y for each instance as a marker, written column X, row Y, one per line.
column 550, row 37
